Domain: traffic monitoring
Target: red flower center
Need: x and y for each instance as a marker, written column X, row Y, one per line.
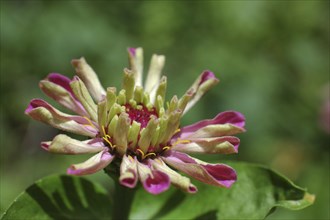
column 141, row 115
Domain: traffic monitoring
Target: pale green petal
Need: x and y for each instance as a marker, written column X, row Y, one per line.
column 62, row 96
column 216, row 130
column 136, row 64
column 63, row 144
column 217, row 145
column 177, row 179
column 89, row 77
column 156, row 65
column 128, row 172
column 82, row 94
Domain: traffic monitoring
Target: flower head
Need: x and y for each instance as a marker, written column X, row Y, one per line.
column 133, row 126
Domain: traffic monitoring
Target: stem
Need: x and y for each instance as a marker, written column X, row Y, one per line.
column 123, row 198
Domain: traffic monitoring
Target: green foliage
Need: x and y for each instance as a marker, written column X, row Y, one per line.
column 61, row 197
column 257, row 192
column 272, row 58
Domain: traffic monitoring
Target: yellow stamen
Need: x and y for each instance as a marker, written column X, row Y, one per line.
column 107, row 138
column 89, row 121
column 148, row 154
column 179, row 141
column 142, row 153
column 145, row 155
column 166, row 148
column 103, row 129
column 107, row 141
column 177, row 131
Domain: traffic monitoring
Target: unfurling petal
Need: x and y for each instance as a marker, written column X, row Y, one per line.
column 92, row 165
column 128, row 172
column 82, row 94
column 178, row 180
column 63, row 144
column 153, row 181
column 217, row 145
column 203, row 83
column 42, row 111
column 213, row 174
column 58, row 88
column 135, row 56
column 89, row 77
column 154, row 73
column 225, row 123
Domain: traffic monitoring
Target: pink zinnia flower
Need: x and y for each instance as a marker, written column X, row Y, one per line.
column 133, row 126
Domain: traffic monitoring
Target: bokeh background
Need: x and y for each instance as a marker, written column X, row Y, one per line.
column 272, row 58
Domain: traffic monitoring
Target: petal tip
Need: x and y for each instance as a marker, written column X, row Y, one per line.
column 158, row 184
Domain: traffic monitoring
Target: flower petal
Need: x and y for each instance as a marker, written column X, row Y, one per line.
column 154, row 73
column 214, row 174
column 128, row 172
column 153, row 181
column 63, row 144
column 203, row 83
column 42, row 111
column 89, row 77
column 218, row 145
column 58, row 88
column 178, row 180
column 135, row 56
column 82, row 94
column 92, row 165
column 225, row 123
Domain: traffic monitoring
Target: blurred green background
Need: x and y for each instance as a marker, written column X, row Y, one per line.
column 272, row 58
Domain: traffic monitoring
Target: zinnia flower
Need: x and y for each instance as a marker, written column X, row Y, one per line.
column 133, row 126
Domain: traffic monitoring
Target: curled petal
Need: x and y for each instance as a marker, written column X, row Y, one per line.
column 63, row 144
column 217, row 145
column 89, row 77
column 178, row 180
column 135, row 56
column 153, row 181
column 42, row 111
column 92, row 165
column 128, row 172
column 58, row 88
column 82, row 94
column 225, row 123
column 214, row 174
column 203, row 83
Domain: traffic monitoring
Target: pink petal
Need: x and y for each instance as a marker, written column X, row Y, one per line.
column 214, row 174
column 58, row 88
column 131, row 50
column 61, row 80
column 177, row 179
column 128, row 172
column 63, row 144
column 153, row 181
column 92, row 165
column 42, row 111
column 229, row 117
column 204, row 82
column 217, row 145
column 206, row 75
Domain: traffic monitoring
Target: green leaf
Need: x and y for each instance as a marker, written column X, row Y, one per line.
column 255, row 195
column 61, row 197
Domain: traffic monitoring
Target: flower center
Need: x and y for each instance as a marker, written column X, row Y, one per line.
column 140, row 114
